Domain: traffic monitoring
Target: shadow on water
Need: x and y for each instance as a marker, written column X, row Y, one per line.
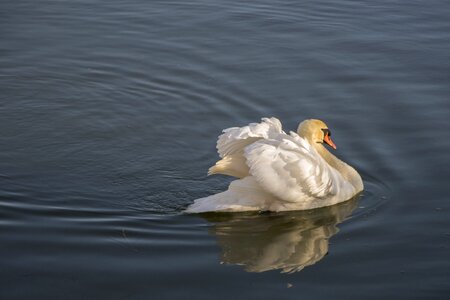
column 287, row 241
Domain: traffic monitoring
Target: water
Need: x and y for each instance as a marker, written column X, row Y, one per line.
column 109, row 116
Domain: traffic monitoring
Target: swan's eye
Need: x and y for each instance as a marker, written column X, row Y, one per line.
column 326, row 132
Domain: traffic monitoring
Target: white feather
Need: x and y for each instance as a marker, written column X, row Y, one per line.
column 242, row 195
column 282, row 172
column 289, row 168
column 235, row 139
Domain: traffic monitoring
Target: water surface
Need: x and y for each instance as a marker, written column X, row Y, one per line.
column 109, row 116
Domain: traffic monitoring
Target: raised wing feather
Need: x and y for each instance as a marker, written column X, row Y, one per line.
column 291, row 169
column 235, row 139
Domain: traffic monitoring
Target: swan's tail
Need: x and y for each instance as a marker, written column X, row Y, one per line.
column 231, row 165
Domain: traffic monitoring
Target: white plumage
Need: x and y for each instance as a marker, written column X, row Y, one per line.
column 279, row 171
column 235, row 139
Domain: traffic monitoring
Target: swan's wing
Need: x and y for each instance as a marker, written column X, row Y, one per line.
column 291, row 169
column 235, row 139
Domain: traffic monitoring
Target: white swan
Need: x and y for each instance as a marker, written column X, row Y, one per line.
column 279, row 171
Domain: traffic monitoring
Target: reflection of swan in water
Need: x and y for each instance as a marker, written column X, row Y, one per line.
column 288, row 241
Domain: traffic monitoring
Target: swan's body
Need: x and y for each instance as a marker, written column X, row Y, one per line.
column 279, row 171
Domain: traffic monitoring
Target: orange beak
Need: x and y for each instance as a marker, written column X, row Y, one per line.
column 328, row 140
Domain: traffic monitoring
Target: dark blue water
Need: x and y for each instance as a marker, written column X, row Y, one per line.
column 109, row 116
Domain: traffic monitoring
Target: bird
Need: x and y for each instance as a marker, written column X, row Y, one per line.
column 279, row 171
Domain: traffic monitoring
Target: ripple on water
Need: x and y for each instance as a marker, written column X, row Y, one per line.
column 290, row 241
column 376, row 193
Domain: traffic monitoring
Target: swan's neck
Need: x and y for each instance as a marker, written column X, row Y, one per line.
column 332, row 160
column 345, row 170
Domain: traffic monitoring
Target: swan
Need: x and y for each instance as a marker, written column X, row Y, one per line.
column 277, row 171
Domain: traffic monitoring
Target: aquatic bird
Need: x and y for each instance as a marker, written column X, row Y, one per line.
column 277, row 171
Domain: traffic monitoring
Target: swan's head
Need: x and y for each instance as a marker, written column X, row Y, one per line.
column 315, row 131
